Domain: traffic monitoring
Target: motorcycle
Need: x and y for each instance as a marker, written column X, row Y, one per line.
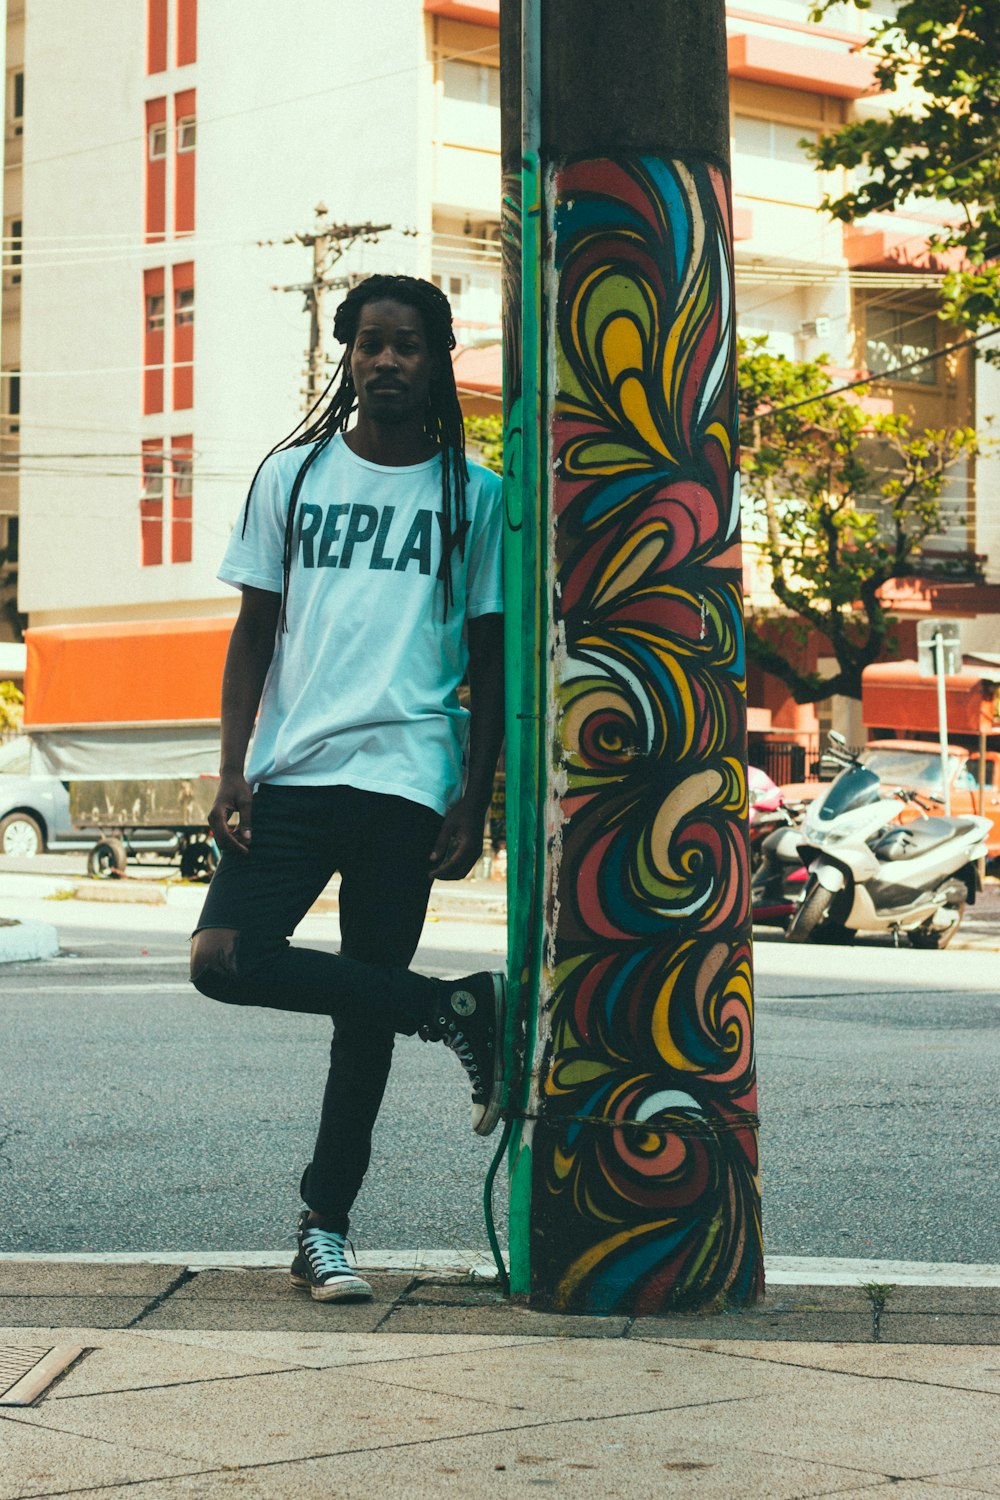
column 769, row 812
column 779, row 878
column 869, row 873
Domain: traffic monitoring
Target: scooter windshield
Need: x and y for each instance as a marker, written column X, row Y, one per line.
column 855, row 787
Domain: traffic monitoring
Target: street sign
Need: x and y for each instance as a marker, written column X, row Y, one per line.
column 951, row 641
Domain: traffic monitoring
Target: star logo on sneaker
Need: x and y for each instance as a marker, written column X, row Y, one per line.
column 462, row 1002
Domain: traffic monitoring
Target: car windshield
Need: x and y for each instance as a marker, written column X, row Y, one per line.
column 920, row 769
column 15, row 756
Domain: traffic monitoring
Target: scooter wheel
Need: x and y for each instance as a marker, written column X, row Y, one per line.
column 811, row 915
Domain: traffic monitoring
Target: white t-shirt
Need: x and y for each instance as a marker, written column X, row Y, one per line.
column 363, row 687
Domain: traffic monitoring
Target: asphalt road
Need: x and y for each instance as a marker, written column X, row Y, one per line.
column 137, row 1116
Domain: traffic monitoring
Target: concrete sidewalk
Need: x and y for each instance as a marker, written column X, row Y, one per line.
column 471, row 900
column 219, row 1382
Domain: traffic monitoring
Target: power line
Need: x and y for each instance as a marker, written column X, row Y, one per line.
column 852, row 385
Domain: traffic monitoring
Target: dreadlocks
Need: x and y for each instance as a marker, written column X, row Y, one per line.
column 442, row 421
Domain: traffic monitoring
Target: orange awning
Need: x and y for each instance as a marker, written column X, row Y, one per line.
column 142, row 672
column 478, row 12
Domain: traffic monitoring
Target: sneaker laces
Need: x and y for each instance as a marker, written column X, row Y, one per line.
column 461, row 1045
column 324, row 1250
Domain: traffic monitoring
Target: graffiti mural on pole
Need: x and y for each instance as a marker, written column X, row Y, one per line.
column 645, row 1146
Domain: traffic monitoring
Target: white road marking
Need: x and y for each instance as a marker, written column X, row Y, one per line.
column 779, row 1270
column 82, row 988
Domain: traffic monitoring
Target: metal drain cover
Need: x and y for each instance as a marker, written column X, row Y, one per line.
column 26, row 1372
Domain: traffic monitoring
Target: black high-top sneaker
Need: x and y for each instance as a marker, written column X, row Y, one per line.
column 469, row 1017
column 320, row 1266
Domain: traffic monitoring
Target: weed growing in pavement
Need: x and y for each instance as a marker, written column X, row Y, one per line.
column 878, row 1294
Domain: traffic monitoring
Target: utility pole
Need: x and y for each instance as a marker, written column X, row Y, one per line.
column 329, row 242
column 633, row 1161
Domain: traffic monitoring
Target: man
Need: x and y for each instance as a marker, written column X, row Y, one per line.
column 369, row 565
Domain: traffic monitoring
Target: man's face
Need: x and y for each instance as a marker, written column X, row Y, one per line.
column 391, row 365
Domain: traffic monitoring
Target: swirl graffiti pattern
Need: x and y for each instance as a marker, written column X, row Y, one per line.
column 649, row 1164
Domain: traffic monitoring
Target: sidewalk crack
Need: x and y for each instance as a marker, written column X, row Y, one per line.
column 794, row 1364
column 408, row 1288
column 185, row 1276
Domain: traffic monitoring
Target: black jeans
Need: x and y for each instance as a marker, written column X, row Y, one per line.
column 381, row 846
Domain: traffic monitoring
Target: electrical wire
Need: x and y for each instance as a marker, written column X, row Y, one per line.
column 887, row 375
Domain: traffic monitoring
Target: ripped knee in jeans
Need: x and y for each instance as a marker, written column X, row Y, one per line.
column 213, row 963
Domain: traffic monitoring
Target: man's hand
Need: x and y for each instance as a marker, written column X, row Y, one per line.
column 459, row 842
column 233, row 796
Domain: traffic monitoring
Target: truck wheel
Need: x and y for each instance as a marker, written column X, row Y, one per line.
column 811, row 914
column 928, row 937
column 198, row 859
column 106, row 861
column 20, row 834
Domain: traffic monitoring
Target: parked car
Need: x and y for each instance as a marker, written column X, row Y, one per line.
column 34, row 810
column 36, row 815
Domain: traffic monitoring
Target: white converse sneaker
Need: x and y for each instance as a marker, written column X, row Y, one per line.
column 320, row 1266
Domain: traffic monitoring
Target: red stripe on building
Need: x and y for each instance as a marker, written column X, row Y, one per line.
column 181, row 499
column 154, row 323
column 156, row 168
column 187, row 32
column 156, row 36
column 184, row 155
column 182, row 302
column 151, row 503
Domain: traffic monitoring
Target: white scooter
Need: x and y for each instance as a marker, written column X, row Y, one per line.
column 868, row 873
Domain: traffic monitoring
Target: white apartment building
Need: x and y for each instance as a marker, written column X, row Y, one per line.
column 172, row 153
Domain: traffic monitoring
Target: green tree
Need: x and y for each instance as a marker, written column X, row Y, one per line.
column 839, row 502
column 485, row 438
column 943, row 147
column 11, row 706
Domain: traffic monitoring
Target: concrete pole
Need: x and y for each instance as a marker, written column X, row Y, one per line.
column 634, row 1183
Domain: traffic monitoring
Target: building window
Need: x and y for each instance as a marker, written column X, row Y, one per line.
column 771, row 139
column 769, row 160
column 187, row 130
column 158, row 141
column 12, row 402
column 471, row 82
column 151, row 504
column 12, row 252
column 12, row 526
column 183, row 305
column 155, row 312
column 15, row 102
column 182, row 499
column 894, row 336
column 469, row 107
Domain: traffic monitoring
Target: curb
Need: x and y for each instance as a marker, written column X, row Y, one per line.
column 21, row 942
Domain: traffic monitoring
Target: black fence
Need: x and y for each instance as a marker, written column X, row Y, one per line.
column 783, row 760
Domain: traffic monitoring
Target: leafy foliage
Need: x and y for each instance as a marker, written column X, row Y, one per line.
column 944, row 146
column 485, row 436
column 11, row 706
column 839, row 502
